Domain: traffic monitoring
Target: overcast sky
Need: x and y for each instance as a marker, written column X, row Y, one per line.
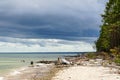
column 49, row 25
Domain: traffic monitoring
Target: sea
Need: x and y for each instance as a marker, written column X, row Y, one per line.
column 11, row 61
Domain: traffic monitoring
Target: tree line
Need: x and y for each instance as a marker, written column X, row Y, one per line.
column 110, row 29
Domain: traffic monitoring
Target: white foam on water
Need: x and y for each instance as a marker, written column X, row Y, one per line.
column 1, row 78
column 14, row 73
column 23, row 68
column 18, row 71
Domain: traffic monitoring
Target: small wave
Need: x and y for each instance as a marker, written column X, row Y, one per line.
column 15, row 73
column 1, row 78
column 18, row 71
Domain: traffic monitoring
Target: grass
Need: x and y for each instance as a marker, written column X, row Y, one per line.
column 49, row 75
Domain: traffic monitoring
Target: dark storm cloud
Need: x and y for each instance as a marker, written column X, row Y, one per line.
column 54, row 19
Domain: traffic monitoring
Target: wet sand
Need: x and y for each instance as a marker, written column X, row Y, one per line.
column 28, row 73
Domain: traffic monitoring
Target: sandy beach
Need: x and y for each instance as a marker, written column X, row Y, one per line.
column 67, row 73
column 87, row 73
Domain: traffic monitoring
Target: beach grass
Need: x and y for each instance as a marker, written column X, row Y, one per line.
column 49, row 75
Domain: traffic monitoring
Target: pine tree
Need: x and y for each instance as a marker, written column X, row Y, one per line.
column 110, row 29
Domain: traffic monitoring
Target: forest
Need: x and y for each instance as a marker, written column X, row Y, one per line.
column 110, row 29
column 109, row 39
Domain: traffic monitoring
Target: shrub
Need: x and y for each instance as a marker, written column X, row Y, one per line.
column 117, row 60
column 91, row 55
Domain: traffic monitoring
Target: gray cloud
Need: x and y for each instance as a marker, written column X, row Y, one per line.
column 53, row 19
column 46, row 42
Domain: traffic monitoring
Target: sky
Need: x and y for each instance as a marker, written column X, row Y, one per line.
column 49, row 25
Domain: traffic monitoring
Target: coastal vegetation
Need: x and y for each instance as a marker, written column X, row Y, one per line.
column 109, row 39
column 49, row 75
column 91, row 55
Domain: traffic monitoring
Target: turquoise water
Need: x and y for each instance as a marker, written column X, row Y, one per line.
column 9, row 61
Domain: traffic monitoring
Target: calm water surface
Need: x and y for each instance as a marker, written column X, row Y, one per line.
column 9, row 61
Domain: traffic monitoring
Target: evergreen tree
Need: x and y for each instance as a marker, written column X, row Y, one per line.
column 110, row 29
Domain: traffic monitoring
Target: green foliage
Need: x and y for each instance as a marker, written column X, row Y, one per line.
column 117, row 60
column 110, row 29
column 103, row 41
column 91, row 55
column 116, row 53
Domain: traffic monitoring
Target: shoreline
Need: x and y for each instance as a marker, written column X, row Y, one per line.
column 68, row 68
column 28, row 72
column 43, row 71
